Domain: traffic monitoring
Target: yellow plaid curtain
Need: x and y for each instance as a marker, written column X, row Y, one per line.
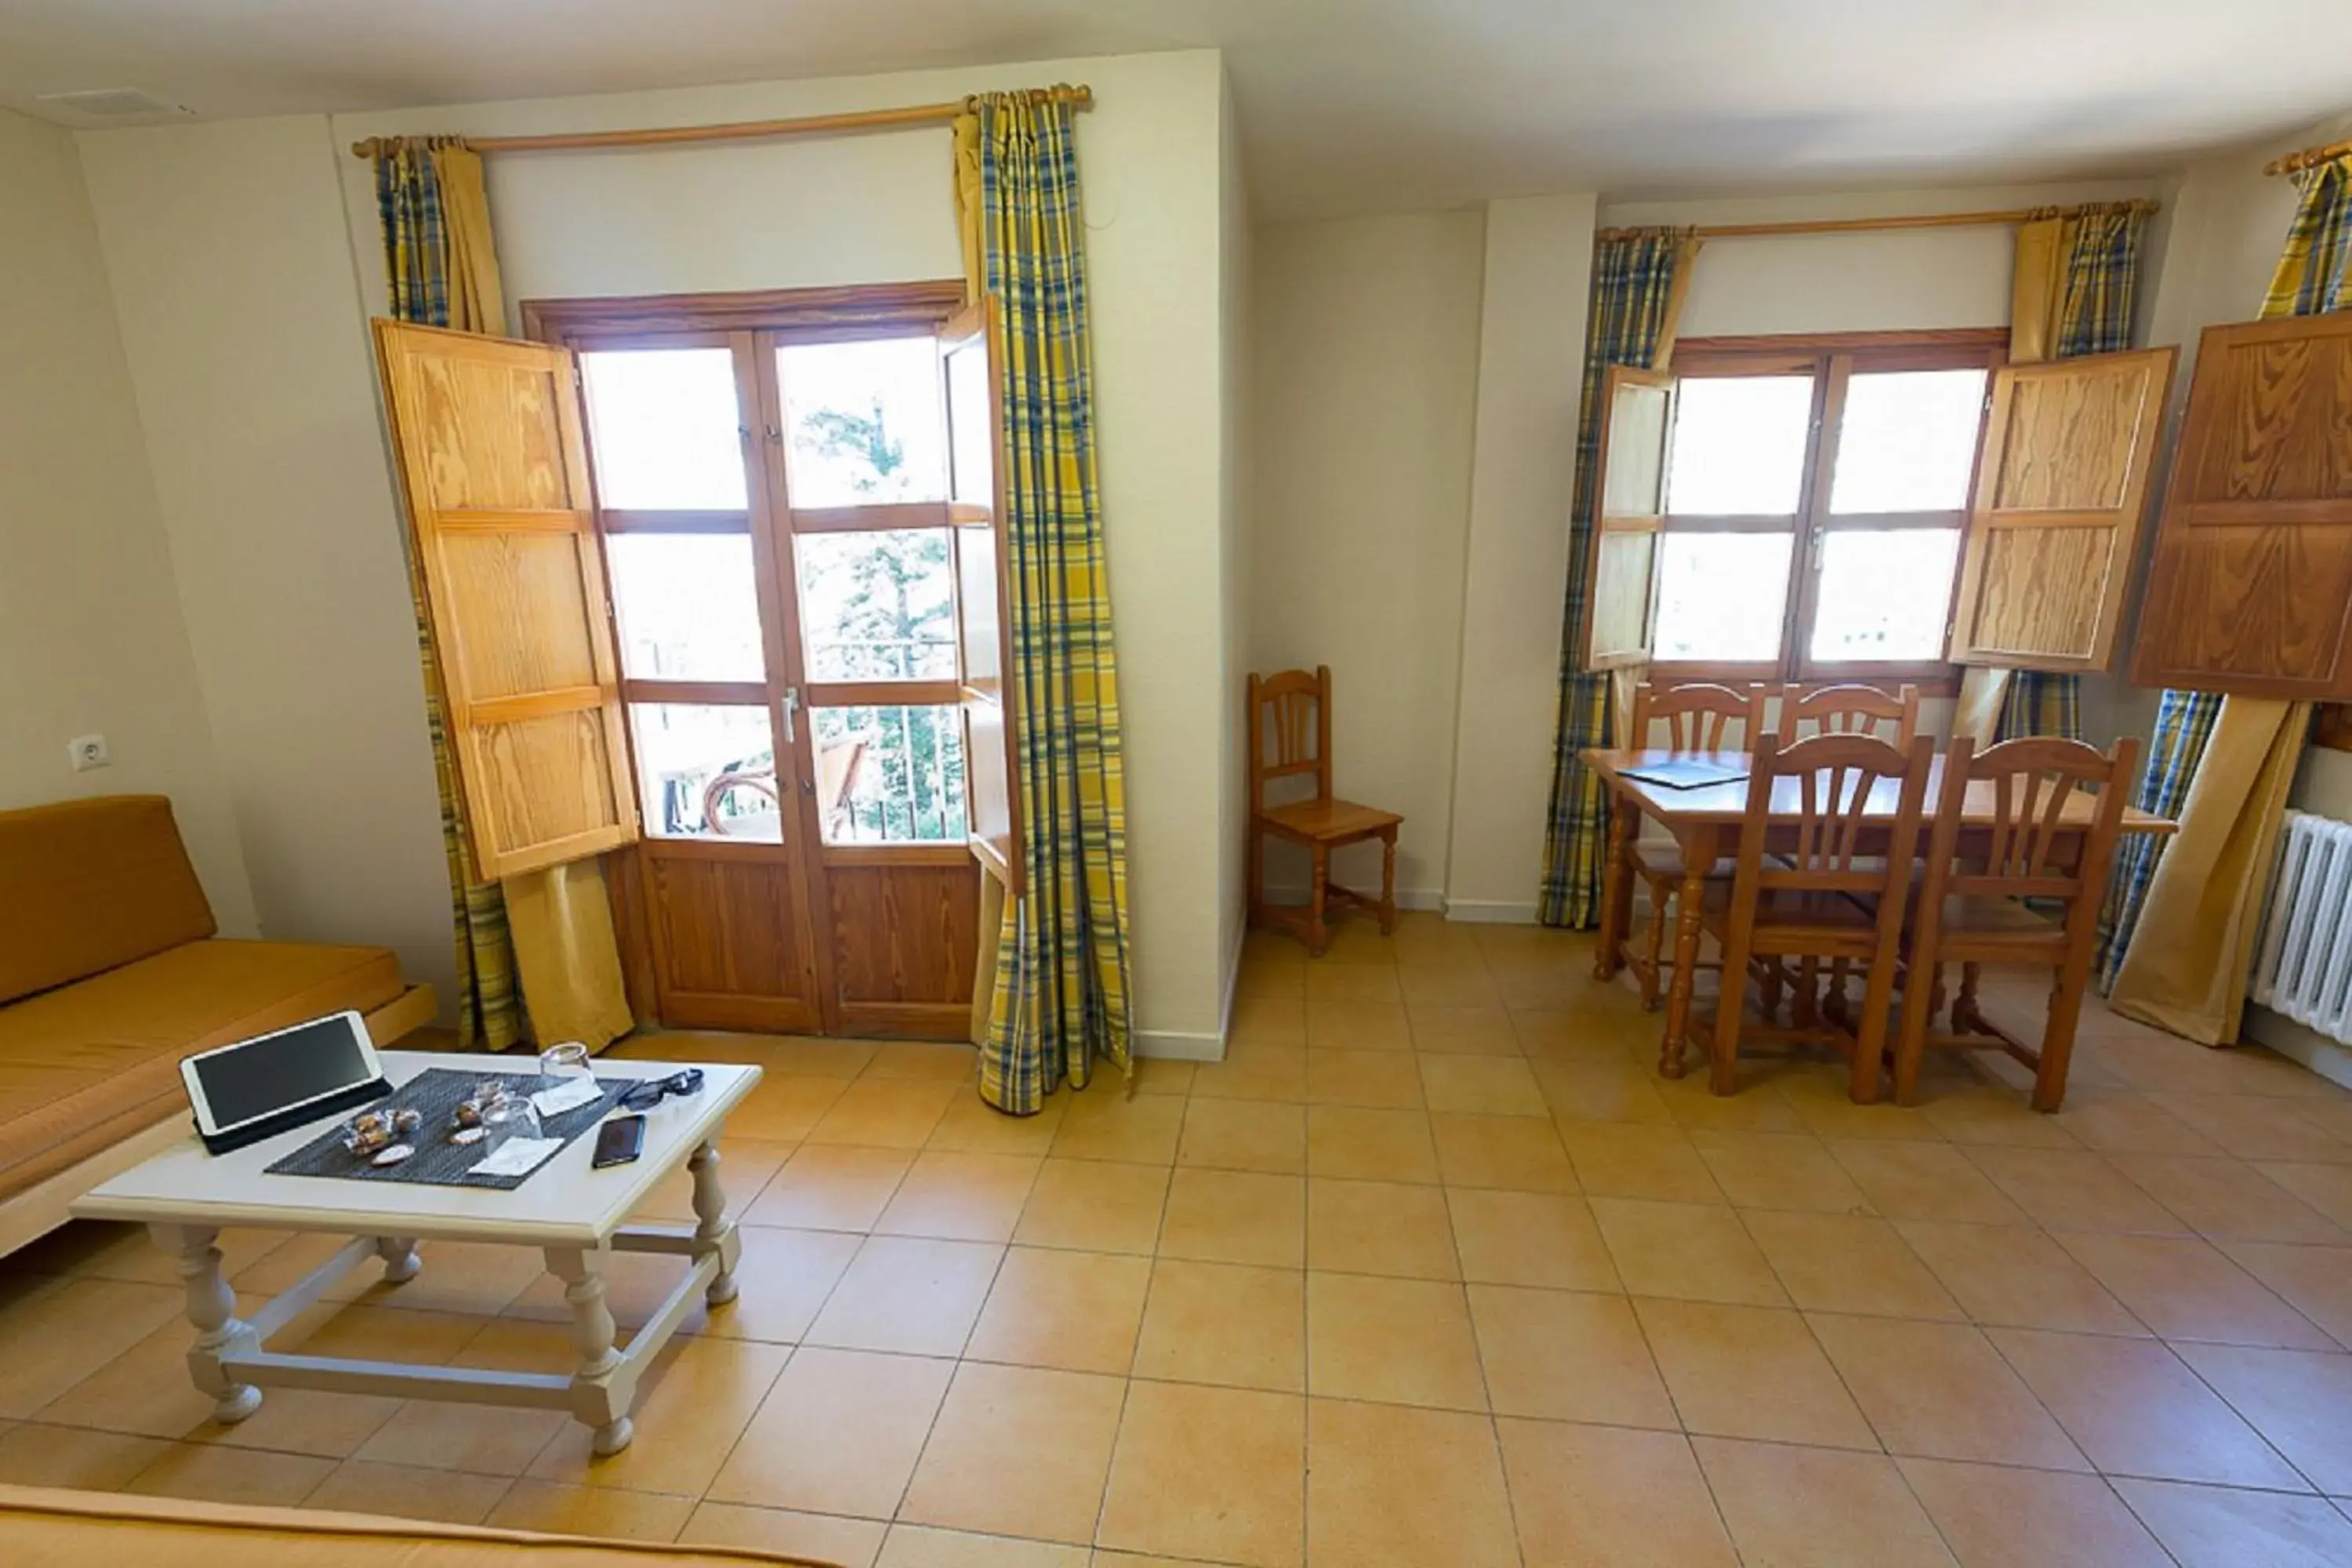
column 1060, row 996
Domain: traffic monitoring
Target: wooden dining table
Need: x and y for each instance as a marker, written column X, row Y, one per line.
column 1706, row 820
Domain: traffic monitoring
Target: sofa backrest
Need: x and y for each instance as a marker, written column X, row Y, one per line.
column 91, row 885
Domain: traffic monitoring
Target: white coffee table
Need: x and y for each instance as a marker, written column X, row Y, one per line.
column 186, row 1196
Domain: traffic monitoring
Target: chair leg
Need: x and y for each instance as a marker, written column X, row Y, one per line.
column 1966, row 1018
column 1730, row 1003
column 1388, row 883
column 1833, row 1006
column 2058, row 1033
column 1318, row 933
column 1923, row 999
column 1774, row 981
column 1655, row 962
column 1804, row 1012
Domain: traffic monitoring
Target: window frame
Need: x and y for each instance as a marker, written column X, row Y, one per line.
column 1831, row 360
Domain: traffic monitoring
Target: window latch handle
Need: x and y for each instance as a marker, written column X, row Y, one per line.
column 792, row 708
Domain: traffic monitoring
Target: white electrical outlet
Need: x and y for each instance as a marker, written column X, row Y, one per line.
column 88, row 751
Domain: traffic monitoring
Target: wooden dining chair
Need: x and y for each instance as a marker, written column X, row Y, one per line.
column 1849, row 710
column 1290, row 736
column 1806, row 901
column 1698, row 717
column 1971, row 908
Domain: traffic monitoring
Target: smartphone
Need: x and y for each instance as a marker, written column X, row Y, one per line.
column 618, row 1142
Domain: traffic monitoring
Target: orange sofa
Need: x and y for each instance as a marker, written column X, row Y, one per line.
column 111, row 973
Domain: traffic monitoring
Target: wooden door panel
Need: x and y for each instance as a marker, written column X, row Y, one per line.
column 2250, row 591
column 1622, row 569
column 2042, row 589
column 970, row 372
column 492, row 436
column 727, row 953
column 542, row 776
column 906, row 946
column 2069, row 441
column 537, row 580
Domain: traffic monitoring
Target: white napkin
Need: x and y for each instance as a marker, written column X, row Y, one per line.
column 569, row 1095
column 517, row 1157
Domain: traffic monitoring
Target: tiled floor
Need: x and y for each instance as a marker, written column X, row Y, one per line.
column 1434, row 1270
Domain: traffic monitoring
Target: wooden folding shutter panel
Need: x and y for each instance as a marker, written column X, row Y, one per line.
column 2061, row 482
column 488, row 437
column 992, row 745
column 1621, row 587
column 2250, row 591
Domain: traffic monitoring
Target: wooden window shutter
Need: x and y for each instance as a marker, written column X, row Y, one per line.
column 968, row 365
column 1620, row 599
column 2250, row 591
column 2063, row 472
column 487, row 434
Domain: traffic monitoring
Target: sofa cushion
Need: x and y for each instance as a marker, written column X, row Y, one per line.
column 85, row 1067
column 86, row 885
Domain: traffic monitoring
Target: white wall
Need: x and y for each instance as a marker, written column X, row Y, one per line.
column 1239, row 535
column 248, row 256
column 1365, row 387
column 92, row 638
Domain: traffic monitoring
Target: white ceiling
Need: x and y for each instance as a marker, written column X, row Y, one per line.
column 1346, row 105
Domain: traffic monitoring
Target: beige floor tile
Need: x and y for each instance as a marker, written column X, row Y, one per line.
column 2229, row 1200
column 208, row 1472
column 961, row 1197
column 1393, row 1488
column 1530, row 1238
column 1208, row 1473
column 829, row 1538
column 636, row 1286
column 1356, row 1143
column 694, row 1404
column 1586, row 1495
column 792, row 1055
column 1993, row 1115
column 1400, row 1341
column 1078, row 1311
column 972, row 1126
column 1780, row 1171
column 2013, row 1277
column 1997, row 1517
column 2185, row 1290
column 2210, row 1526
column 2118, row 1123
column 826, row 1187
column 916, row 1298
column 1275, row 1017
column 1254, row 1069
column 1613, row 1089
column 127, row 1253
column 1235, row 1216
column 1095, row 1205
column 2257, row 1127
column 1062, row 1422
column 781, row 1280
column 1353, row 983
column 1159, row 1074
column 38, row 1455
column 1369, row 1023
column 1691, row 1252
column 1380, row 1227
column 2327, row 1188
column 1820, row 1097
column 1222, row 1323
column 1447, row 982
column 1520, row 1153
column 483, row 1439
column 1631, row 1160
column 1752, row 1371
column 927, row 1060
column 607, row 1511
column 1904, row 1181
column 839, row 1433
column 1757, row 1108
column 1940, row 1391
column 406, row 1491
column 1389, row 1079
column 2073, row 1189
column 465, row 1278
column 885, row 1113
column 1267, row 1136
column 1818, row 1507
column 1568, row 1357
column 2135, row 1409
column 1440, row 1029
column 2300, row 1401
column 335, row 1425
column 1102, row 1123
column 746, row 1166
column 2315, row 1280
column 1485, row 1085
column 928, row 1546
column 80, row 1325
column 1567, row 1034
column 1848, row 1263
column 784, row 1109
column 145, row 1391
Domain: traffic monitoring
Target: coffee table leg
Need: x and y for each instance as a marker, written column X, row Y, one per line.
column 594, row 1400
column 714, row 1231
column 212, row 1307
column 400, row 1261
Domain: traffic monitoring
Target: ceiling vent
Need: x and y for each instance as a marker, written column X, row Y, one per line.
column 106, row 106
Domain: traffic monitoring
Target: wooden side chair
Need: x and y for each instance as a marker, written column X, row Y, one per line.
column 1972, row 909
column 1290, row 736
column 1806, row 903
column 1698, row 717
column 1851, row 711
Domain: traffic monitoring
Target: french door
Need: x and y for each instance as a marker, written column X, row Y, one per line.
column 774, row 488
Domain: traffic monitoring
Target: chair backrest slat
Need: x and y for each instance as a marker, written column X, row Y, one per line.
column 1289, row 730
column 2035, row 785
column 1858, row 805
column 1697, row 715
column 1850, row 709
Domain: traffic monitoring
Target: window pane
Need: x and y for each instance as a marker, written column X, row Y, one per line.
column 890, row 775
column 706, row 772
column 1739, row 445
column 1908, row 442
column 972, row 435
column 877, row 606
column 1884, row 593
column 665, row 429
column 865, row 422
column 1721, row 596
column 687, row 606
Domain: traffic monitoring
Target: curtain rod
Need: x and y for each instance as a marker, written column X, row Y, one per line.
column 1921, row 220
column 740, row 131
column 2309, row 158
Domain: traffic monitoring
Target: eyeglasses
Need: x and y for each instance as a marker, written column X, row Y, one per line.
column 647, row 1093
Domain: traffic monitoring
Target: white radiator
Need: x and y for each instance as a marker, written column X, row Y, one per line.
column 2303, row 961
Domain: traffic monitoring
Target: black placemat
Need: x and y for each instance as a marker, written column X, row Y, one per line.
column 434, row 1095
